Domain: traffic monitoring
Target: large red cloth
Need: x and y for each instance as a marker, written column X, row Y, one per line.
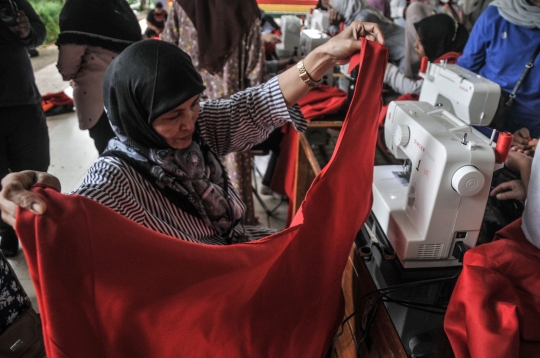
column 319, row 101
column 494, row 310
column 108, row 287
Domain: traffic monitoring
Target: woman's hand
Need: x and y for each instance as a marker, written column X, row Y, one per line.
column 342, row 46
column 336, row 51
column 523, row 141
column 15, row 192
column 513, row 189
column 518, row 161
column 23, row 28
column 334, row 17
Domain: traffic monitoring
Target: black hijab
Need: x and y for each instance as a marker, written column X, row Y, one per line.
column 440, row 34
column 149, row 79
column 110, row 24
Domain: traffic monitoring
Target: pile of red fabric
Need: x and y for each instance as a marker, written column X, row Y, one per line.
column 108, row 287
column 494, row 310
column 56, row 103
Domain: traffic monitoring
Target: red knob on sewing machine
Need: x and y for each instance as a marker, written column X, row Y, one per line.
column 423, row 64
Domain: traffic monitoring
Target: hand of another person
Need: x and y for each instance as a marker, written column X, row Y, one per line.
column 342, row 46
column 15, row 192
column 271, row 38
column 334, row 17
column 513, row 189
column 23, row 28
column 522, row 137
column 517, row 161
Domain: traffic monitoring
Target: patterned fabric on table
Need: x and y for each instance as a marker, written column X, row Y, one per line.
column 11, row 295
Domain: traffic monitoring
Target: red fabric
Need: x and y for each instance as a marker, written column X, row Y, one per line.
column 494, row 310
column 108, row 287
column 322, row 100
column 450, row 57
column 50, row 100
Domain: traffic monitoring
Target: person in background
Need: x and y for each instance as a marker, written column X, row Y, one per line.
column 397, row 11
column 439, row 37
column 224, row 42
column 358, row 10
column 381, row 5
column 155, row 21
column 521, row 164
column 502, row 41
column 92, row 34
column 416, row 11
column 24, row 138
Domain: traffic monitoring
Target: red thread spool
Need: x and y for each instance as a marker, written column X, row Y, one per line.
column 423, row 64
column 503, row 146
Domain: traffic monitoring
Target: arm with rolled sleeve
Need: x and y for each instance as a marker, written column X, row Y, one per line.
column 399, row 82
column 247, row 118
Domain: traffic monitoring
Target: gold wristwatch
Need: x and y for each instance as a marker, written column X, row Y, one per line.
column 304, row 75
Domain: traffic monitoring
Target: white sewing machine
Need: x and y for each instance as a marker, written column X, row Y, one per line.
column 431, row 209
column 290, row 37
column 310, row 39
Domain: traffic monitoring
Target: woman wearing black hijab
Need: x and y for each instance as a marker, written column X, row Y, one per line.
column 439, row 37
column 162, row 170
column 92, row 34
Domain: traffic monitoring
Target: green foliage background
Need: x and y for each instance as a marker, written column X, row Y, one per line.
column 49, row 12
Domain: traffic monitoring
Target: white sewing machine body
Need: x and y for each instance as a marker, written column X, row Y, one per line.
column 436, row 209
column 290, row 37
column 319, row 20
column 309, row 40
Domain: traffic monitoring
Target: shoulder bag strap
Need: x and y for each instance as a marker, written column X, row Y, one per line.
column 528, row 67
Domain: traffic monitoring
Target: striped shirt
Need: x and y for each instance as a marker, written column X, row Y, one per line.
column 236, row 124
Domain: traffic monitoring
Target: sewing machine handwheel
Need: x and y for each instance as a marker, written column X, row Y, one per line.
column 468, row 181
column 401, row 135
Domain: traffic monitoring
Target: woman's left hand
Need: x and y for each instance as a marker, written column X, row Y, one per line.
column 342, row 46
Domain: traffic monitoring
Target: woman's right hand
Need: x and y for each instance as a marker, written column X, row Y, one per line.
column 16, row 192
column 523, row 141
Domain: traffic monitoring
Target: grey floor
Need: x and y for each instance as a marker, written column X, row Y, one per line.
column 72, row 153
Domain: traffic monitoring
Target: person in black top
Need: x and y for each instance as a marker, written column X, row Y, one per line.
column 155, row 21
column 24, row 138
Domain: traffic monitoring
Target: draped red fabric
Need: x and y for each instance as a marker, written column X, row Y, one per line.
column 319, row 101
column 108, row 287
column 494, row 310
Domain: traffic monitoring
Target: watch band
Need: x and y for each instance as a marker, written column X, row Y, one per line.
column 305, row 76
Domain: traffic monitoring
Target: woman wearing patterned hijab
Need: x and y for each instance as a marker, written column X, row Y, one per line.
column 161, row 170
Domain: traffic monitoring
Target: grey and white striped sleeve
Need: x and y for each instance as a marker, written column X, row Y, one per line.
column 247, row 118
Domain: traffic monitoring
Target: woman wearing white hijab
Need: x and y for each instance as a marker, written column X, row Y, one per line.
column 394, row 35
